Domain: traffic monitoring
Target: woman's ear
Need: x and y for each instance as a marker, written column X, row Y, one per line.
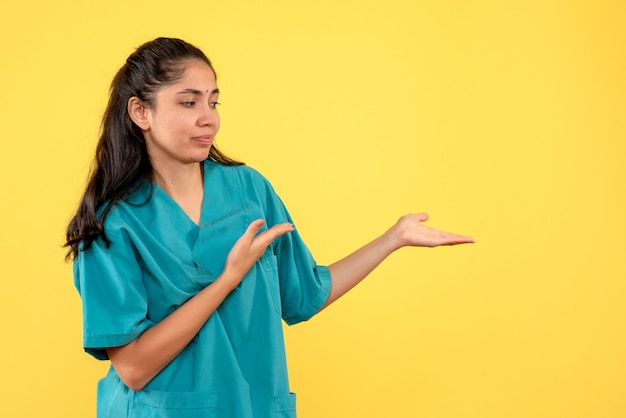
column 138, row 112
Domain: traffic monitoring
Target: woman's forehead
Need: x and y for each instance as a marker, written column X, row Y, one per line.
column 197, row 78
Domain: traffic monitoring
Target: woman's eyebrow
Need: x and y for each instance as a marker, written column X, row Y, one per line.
column 197, row 92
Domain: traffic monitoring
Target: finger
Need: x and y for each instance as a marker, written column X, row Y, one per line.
column 266, row 237
column 422, row 216
column 463, row 240
column 254, row 227
column 278, row 230
column 453, row 239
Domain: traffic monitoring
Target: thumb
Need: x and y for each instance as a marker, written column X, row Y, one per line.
column 422, row 216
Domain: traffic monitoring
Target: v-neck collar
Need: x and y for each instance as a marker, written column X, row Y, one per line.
column 177, row 208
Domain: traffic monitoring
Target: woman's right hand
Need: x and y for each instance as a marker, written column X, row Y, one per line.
column 249, row 248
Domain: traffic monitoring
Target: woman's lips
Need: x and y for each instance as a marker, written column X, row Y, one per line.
column 205, row 139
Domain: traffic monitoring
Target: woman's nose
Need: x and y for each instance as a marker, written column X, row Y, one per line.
column 208, row 116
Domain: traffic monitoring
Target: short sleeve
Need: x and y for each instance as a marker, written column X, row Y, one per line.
column 304, row 285
column 109, row 280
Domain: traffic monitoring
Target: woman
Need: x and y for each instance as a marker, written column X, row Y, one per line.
column 186, row 260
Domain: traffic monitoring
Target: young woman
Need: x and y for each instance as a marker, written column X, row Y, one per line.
column 186, row 261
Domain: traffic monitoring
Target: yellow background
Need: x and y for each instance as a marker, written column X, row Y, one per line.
column 505, row 120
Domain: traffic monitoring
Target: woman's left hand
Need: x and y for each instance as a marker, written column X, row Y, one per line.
column 412, row 232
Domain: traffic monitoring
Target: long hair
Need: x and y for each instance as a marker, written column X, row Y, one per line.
column 121, row 163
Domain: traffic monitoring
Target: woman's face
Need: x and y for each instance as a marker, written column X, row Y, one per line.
column 181, row 125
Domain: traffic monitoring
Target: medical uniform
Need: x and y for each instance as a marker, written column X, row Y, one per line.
column 158, row 258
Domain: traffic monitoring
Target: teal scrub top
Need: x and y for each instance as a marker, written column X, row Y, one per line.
column 158, row 258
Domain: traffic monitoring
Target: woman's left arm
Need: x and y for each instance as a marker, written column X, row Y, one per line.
column 408, row 231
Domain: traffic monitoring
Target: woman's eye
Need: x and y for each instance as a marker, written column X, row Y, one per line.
column 188, row 104
column 213, row 105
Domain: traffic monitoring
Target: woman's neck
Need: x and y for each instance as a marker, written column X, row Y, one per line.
column 184, row 184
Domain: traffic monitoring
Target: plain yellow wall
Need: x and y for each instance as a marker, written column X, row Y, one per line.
column 503, row 119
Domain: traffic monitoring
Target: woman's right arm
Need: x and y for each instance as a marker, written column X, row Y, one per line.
column 141, row 360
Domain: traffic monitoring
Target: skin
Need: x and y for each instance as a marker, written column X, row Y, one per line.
column 179, row 131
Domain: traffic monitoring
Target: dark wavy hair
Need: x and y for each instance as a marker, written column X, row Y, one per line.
column 121, row 164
